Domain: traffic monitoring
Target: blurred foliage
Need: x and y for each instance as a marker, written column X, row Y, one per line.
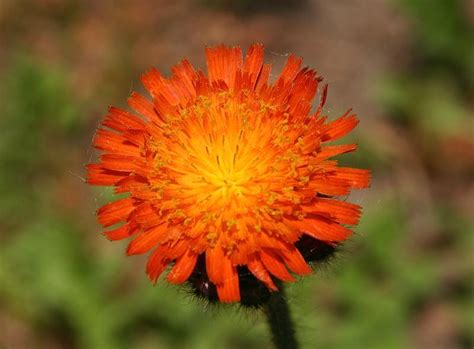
column 36, row 110
column 65, row 291
column 438, row 89
column 444, row 38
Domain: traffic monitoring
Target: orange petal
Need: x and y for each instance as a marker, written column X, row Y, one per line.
column 303, row 91
column 322, row 102
column 122, row 120
column 121, row 163
column 229, row 290
column 172, row 91
column 356, row 178
column 223, row 63
column 214, row 257
column 329, row 151
column 177, row 248
column 147, row 216
column 253, row 63
column 322, row 229
column 157, row 263
column 183, row 268
column 115, row 211
column 147, row 240
column 262, row 79
column 153, row 82
column 124, row 163
column 143, row 106
column 339, row 127
column 340, row 211
column 329, row 185
column 97, row 175
column 137, row 185
column 187, row 75
column 295, row 261
column 122, row 232
column 113, row 142
column 290, row 70
column 260, row 272
column 275, row 265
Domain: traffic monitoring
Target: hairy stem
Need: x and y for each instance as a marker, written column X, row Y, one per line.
column 279, row 320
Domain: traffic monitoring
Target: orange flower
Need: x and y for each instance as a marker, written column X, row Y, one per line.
column 228, row 174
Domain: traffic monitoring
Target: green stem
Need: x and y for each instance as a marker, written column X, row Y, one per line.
column 279, row 320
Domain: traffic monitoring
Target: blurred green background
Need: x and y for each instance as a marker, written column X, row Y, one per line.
column 407, row 68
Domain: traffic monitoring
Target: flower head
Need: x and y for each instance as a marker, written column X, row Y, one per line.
column 227, row 174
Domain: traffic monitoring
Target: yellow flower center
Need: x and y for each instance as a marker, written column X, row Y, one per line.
column 223, row 164
column 220, row 160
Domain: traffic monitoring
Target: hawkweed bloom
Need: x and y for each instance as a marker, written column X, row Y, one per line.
column 229, row 177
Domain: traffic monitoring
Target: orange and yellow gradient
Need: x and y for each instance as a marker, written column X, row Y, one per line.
column 227, row 167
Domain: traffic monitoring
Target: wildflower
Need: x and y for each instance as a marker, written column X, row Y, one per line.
column 229, row 177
